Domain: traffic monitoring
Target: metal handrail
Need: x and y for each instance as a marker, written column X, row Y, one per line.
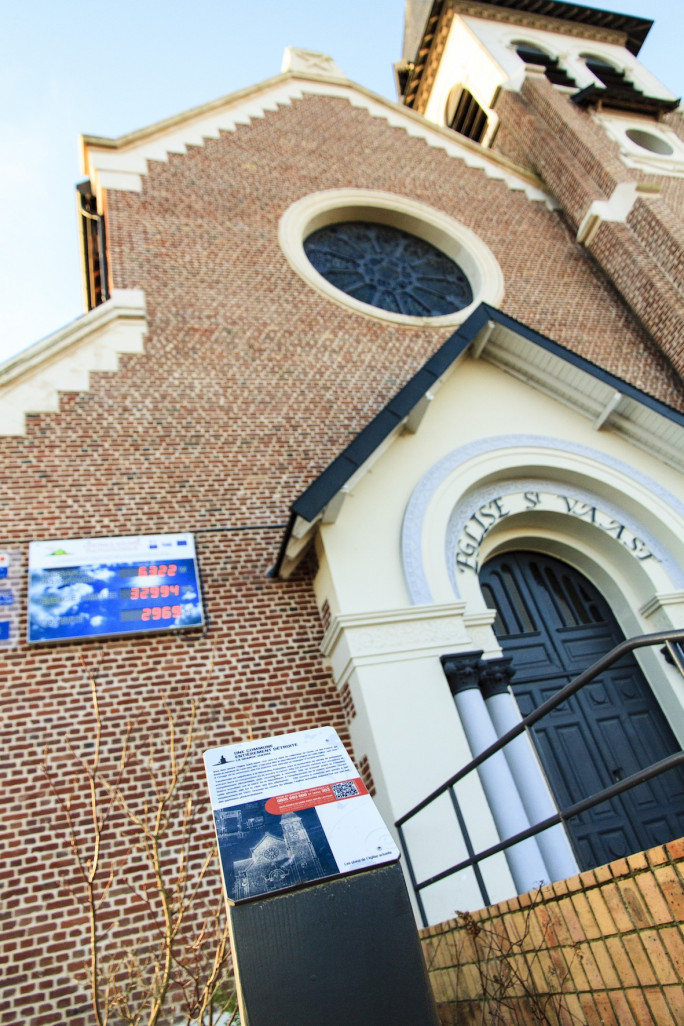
column 588, row 675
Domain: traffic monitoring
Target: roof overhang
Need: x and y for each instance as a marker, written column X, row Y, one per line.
column 490, row 335
column 631, row 101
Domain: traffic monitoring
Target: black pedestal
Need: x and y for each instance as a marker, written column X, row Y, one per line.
column 341, row 953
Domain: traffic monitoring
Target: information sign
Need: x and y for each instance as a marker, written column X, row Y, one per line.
column 100, row 587
column 10, row 582
column 290, row 810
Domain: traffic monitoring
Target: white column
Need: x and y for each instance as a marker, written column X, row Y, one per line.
column 525, row 769
column 524, row 859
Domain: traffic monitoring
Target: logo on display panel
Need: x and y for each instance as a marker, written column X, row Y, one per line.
column 104, row 587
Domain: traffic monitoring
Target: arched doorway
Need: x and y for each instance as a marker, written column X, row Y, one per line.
column 554, row 623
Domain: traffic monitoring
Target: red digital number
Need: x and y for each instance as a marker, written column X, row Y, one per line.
column 135, row 593
column 174, row 589
column 154, row 591
column 173, row 569
column 161, row 612
column 142, row 571
column 144, row 593
column 163, row 569
column 152, row 571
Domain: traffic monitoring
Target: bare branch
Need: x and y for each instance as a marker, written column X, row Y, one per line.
column 142, row 983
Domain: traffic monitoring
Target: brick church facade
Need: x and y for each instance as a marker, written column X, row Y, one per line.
column 333, row 458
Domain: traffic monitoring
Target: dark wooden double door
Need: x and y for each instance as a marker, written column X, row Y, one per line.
column 553, row 623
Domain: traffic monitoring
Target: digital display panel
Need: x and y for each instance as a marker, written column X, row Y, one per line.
column 103, row 587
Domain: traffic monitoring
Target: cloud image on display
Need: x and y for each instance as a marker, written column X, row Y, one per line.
column 98, row 600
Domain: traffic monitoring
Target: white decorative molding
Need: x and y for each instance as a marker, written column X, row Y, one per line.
column 524, row 20
column 448, row 235
column 403, row 635
column 570, row 48
column 309, row 62
column 616, row 208
column 666, row 160
column 31, row 381
column 387, row 621
column 122, row 163
column 673, row 600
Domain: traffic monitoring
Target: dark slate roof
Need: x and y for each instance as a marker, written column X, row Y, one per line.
column 314, row 499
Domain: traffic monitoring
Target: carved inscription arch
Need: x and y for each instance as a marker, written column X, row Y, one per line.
column 493, row 511
column 447, row 519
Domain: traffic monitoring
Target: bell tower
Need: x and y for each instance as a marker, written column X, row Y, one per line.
column 563, row 95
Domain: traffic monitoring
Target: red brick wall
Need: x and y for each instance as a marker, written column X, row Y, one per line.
column 631, row 266
column 249, row 384
column 581, row 164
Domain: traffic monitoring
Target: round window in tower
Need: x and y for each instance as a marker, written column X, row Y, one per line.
column 649, row 141
column 388, row 268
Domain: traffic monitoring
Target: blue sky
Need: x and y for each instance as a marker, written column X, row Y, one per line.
column 106, row 69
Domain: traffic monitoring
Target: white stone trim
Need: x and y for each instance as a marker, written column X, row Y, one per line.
column 617, row 208
column 414, row 633
column 450, row 236
column 122, row 163
column 31, row 381
column 568, row 48
column 407, row 723
column 617, row 125
column 667, row 608
column 552, row 497
column 310, row 62
column 524, row 23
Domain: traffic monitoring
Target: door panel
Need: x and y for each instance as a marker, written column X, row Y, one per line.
column 553, row 623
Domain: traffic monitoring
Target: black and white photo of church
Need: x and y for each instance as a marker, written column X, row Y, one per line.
column 262, row 853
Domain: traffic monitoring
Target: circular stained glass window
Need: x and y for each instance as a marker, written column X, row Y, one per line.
column 388, row 268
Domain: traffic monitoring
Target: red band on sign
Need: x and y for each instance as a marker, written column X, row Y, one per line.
column 309, row 797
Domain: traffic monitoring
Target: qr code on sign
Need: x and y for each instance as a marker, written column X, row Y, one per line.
column 346, row 789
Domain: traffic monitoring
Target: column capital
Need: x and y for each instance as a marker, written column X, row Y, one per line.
column 462, row 670
column 468, row 670
column 495, row 676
